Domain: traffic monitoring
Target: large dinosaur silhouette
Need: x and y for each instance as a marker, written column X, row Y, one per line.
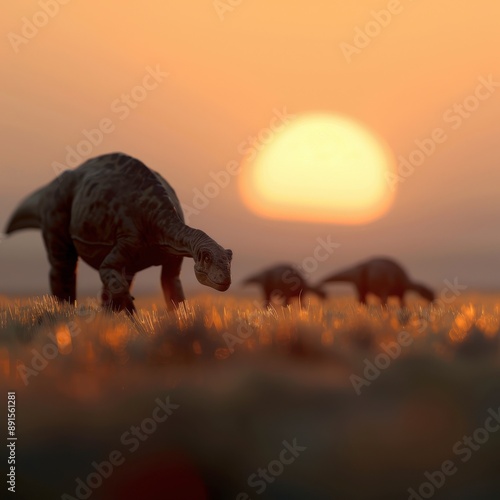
column 282, row 283
column 120, row 217
column 382, row 277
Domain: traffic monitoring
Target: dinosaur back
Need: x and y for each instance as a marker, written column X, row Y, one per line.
column 353, row 275
column 117, row 194
column 282, row 277
column 387, row 274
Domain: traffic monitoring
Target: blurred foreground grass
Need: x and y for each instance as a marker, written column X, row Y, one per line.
column 374, row 414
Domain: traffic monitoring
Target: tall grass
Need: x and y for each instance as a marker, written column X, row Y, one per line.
column 207, row 329
column 247, row 378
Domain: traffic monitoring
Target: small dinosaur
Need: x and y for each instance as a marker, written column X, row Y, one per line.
column 120, row 217
column 382, row 277
column 282, row 283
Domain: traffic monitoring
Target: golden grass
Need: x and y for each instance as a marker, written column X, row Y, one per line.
column 208, row 329
column 246, row 378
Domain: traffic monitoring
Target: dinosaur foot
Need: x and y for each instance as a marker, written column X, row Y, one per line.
column 118, row 302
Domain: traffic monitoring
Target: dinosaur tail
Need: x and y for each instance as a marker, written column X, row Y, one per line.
column 352, row 274
column 256, row 278
column 26, row 215
column 423, row 290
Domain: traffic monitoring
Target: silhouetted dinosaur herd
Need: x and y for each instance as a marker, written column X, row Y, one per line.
column 382, row 277
column 120, row 217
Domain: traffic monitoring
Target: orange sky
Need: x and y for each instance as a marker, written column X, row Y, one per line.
column 226, row 79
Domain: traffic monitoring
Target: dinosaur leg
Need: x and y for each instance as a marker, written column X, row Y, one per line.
column 63, row 258
column 116, row 282
column 129, row 277
column 267, row 299
column 106, row 296
column 402, row 302
column 362, row 296
column 170, row 282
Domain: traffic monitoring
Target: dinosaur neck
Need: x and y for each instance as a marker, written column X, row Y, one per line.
column 187, row 241
column 351, row 275
column 256, row 278
column 416, row 287
column 171, row 231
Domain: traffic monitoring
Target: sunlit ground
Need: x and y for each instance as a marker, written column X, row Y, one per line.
column 246, row 379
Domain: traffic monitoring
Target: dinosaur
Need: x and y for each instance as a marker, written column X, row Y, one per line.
column 382, row 277
column 120, row 217
column 282, row 283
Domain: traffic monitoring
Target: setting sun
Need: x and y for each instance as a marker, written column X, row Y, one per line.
column 320, row 167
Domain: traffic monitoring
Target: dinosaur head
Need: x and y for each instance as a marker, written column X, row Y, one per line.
column 213, row 267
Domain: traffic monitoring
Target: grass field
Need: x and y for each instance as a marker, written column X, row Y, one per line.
column 222, row 399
